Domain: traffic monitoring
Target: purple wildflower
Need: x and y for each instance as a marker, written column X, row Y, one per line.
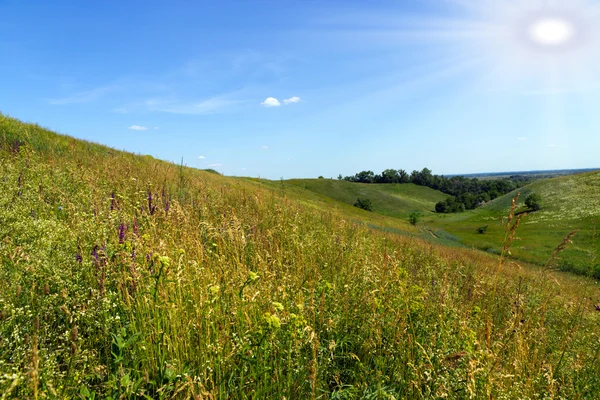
column 95, row 253
column 151, row 207
column 122, row 230
column 78, row 258
column 113, row 201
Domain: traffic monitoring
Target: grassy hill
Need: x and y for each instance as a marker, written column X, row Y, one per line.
column 395, row 200
column 122, row 276
column 569, row 203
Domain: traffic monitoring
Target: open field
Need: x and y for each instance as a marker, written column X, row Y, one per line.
column 123, row 276
column 569, row 203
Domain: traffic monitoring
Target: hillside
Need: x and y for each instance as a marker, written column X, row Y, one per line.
column 123, row 276
column 569, row 203
column 394, row 200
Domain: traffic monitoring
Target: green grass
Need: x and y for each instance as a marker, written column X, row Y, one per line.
column 569, row 203
column 395, row 200
column 122, row 276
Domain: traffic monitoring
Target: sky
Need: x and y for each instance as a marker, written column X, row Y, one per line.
column 303, row 88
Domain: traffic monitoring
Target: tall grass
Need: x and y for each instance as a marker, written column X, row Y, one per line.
column 125, row 277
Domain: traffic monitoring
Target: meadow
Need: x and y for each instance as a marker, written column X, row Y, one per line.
column 569, row 203
column 123, row 276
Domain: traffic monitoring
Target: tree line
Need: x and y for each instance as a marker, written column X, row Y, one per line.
column 466, row 193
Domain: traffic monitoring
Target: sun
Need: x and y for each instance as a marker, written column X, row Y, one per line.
column 551, row 32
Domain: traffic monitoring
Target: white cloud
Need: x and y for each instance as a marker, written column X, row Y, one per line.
column 265, row 147
column 271, row 102
column 522, row 139
column 202, row 157
column 156, row 128
column 292, row 100
column 551, row 145
column 243, row 169
column 215, row 165
column 138, row 128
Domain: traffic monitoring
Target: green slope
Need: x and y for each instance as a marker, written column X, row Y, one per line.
column 569, row 203
column 394, row 200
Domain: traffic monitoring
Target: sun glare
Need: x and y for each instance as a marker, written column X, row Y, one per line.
column 551, row 32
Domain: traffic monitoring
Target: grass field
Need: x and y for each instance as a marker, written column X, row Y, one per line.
column 122, row 276
column 396, row 200
column 570, row 203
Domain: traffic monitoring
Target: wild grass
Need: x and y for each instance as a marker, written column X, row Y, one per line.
column 126, row 277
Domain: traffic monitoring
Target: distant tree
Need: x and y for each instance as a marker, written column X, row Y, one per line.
column 403, row 176
column 364, row 177
column 321, row 177
column 414, row 218
column 441, row 207
column 532, row 202
column 364, row 204
column 390, row 176
column 340, row 177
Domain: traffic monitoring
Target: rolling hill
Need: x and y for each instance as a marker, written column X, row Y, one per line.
column 394, row 200
column 569, row 203
column 123, row 276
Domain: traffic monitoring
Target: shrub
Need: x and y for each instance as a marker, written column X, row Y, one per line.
column 482, row 229
column 364, row 204
column 532, row 202
column 414, row 218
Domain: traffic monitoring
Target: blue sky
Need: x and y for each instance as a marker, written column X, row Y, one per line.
column 282, row 88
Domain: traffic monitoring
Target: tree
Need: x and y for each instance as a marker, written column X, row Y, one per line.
column 532, row 202
column 414, row 218
column 390, row 176
column 441, row 207
column 403, row 176
column 364, row 177
column 364, row 204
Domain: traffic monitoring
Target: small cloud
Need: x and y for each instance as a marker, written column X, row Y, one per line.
column 202, row 157
column 243, row 169
column 551, row 145
column 215, row 165
column 522, row 139
column 156, row 128
column 271, row 102
column 138, row 128
column 265, row 147
column 292, row 100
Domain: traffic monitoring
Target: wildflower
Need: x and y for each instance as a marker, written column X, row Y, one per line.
column 272, row 321
column 252, row 276
column 95, row 253
column 278, row 306
column 151, row 207
column 214, row 289
column 113, row 201
column 122, row 230
column 78, row 258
